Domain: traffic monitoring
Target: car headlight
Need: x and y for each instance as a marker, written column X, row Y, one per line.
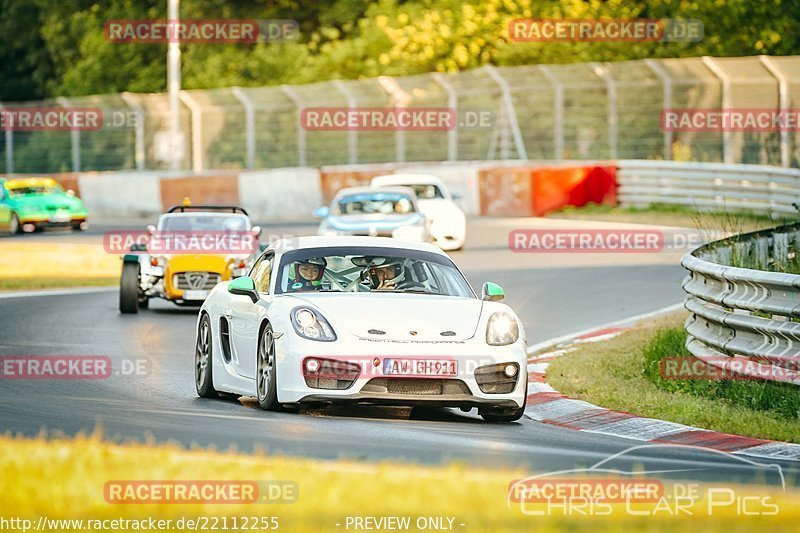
column 502, row 329
column 309, row 324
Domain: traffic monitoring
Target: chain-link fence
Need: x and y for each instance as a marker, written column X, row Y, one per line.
column 552, row 112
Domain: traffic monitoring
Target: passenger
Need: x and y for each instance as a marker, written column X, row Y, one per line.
column 308, row 274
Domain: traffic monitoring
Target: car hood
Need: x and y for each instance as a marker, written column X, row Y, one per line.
column 439, row 209
column 398, row 315
column 377, row 221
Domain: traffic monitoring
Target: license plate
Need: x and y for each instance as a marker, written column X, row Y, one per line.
column 195, row 295
column 420, row 367
column 60, row 216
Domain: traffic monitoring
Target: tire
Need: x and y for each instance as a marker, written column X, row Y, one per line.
column 503, row 414
column 203, row 361
column 266, row 372
column 78, row 226
column 14, row 226
column 129, row 289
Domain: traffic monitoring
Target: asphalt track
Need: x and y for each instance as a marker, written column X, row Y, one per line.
column 554, row 294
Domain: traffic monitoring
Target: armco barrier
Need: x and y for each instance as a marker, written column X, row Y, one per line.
column 713, row 186
column 745, row 320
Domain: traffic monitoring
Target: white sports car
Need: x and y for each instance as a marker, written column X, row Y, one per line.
column 448, row 224
column 365, row 320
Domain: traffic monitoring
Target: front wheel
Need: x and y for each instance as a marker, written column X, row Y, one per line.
column 129, row 288
column 266, row 372
column 14, row 225
column 203, row 378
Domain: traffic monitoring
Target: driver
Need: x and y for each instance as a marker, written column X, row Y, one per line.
column 308, row 274
column 386, row 276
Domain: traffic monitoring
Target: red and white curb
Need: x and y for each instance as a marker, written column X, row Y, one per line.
column 547, row 405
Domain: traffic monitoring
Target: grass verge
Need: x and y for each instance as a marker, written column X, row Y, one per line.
column 19, row 284
column 623, row 374
column 677, row 216
column 35, row 265
column 65, row 479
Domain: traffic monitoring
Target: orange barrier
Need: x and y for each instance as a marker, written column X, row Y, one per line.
column 332, row 180
column 558, row 187
column 200, row 189
column 536, row 191
column 506, row 191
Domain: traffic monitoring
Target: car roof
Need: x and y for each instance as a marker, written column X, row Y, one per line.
column 315, row 241
column 29, row 182
column 203, row 213
column 370, row 190
column 411, row 179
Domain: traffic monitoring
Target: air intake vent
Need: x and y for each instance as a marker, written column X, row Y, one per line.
column 376, row 332
column 448, row 334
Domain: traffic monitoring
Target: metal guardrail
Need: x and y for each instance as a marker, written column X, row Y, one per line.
column 743, row 320
column 755, row 188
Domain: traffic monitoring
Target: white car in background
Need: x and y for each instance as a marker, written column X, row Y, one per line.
column 361, row 320
column 448, row 224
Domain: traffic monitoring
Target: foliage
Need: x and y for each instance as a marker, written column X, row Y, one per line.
column 59, row 48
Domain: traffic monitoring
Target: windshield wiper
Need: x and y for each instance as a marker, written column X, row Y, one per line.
column 412, row 291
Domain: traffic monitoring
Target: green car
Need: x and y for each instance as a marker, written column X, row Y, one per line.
column 39, row 202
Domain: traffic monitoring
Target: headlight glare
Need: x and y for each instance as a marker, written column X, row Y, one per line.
column 310, row 324
column 502, row 329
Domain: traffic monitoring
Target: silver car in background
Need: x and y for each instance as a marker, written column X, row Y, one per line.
column 365, row 211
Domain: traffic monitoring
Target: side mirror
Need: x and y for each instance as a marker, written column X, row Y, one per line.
column 321, row 212
column 255, row 231
column 244, row 286
column 70, row 193
column 492, row 292
column 151, row 229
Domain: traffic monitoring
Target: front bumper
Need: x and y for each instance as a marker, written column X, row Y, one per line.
column 47, row 221
column 373, row 386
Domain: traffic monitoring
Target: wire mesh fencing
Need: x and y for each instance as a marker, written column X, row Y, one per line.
column 586, row 111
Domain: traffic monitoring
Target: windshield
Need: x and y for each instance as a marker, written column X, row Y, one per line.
column 370, row 269
column 204, row 222
column 426, row 191
column 373, row 203
column 21, row 190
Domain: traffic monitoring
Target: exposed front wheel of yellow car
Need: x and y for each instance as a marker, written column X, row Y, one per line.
column 129, row 288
